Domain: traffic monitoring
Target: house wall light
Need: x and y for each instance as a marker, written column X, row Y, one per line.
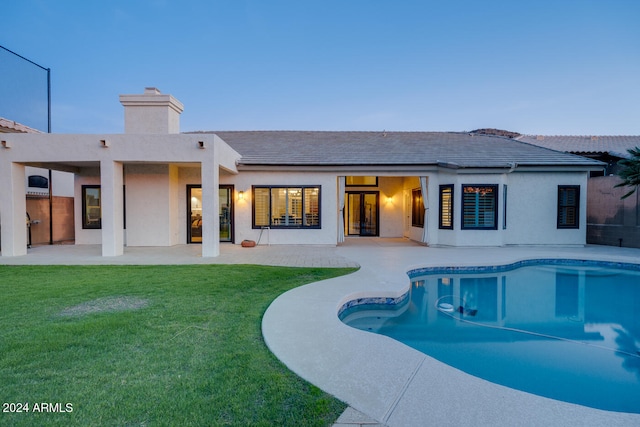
column 389, row 200
column 240, row 195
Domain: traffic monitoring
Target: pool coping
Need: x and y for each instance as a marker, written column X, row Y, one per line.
column 393, row 383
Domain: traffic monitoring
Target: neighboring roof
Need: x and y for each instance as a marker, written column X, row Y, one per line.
column 498, row 132
column 9, row 126
column 457, row 149
column 614, row 145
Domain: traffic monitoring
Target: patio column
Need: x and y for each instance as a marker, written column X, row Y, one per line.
column 210, row 204
column 13, row 208
column 112, row 197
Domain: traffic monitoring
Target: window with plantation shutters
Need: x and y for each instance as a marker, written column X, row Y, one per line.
column 480, row 207
column 261, row 207
column 446, row 207
column 568, row 206
column 286, row 207
column 311, row 206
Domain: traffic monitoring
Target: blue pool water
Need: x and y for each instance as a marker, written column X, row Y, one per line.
column 568, row 330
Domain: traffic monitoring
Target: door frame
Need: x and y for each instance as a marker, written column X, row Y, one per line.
column 190, row 187
column 230, row 188
column 362, row 207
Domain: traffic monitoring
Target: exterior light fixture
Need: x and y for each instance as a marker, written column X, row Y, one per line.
column 240, row 195
column 389, row 200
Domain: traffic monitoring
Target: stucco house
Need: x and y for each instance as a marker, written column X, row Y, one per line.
column 155, row 186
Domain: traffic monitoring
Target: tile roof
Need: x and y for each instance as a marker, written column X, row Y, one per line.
column 391, row 148
column 615, row 145
column 10, row 126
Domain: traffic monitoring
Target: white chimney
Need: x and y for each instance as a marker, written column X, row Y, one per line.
column 151, row 112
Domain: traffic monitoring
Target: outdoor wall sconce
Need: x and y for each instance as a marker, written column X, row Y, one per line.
column 389, row 200
column 240, row 195
column 201, row 145
column 6, row 144
column 105, row 143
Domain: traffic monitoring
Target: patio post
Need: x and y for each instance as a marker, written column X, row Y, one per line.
column 13, row 208
column 112, row 194
column 210, row 204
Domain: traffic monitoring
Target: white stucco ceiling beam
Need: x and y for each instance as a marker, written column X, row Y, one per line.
column 62, row 167
column 78, row 149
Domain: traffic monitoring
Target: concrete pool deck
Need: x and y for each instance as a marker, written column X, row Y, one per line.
column 397, row 385
column 377, row 376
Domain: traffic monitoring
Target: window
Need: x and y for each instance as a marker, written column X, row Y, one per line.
column 446, row 207
column 361, row 181
column 568, row 206
column 91, row 207
column 417, row 208
column 38, row 181
column 504, row 207
column 479, row 207
column 286, row 207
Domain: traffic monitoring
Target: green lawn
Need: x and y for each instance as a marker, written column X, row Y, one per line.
column 150, row 345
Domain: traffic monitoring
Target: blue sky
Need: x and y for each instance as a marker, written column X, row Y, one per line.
column 535, row 67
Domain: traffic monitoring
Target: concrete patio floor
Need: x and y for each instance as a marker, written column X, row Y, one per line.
column 382, row 380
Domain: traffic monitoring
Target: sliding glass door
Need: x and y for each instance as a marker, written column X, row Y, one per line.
column 194, row 213
column 226, row 217
column 362, row 213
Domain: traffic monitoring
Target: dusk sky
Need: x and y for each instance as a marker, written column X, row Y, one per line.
column 532, row 66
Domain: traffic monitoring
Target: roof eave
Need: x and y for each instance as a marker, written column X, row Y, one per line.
column 424, row 167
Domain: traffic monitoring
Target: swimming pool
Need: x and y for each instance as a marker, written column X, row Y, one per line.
column 568, row 330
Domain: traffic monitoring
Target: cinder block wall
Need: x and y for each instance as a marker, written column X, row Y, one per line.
column 611, row 220
column 63, row 228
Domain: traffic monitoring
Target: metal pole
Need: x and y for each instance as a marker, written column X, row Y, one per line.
column 50, row 173
column 50, row 208
column 48, row 100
